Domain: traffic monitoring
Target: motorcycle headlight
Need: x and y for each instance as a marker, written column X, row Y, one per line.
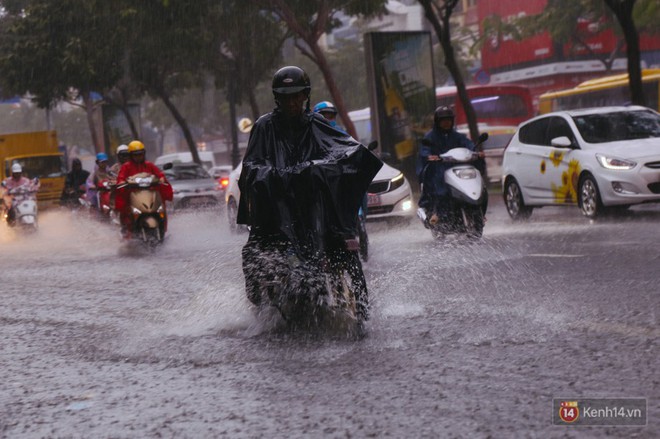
column 615, row 163
column 465, row 173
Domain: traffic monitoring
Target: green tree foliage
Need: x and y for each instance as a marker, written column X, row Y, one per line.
column 246, row 45
column 166, row 46
column 51, row 51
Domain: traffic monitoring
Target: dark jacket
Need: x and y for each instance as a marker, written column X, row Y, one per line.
column 303, row 178
column 433, row 176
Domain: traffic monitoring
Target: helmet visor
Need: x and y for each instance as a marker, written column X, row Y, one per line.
column 290, row 90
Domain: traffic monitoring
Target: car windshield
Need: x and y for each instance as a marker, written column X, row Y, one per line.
column 617, row 126
column 496, row 141
column 186, row 173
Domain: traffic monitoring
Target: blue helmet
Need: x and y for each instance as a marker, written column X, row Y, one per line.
column 325, row 107
column 101, row 157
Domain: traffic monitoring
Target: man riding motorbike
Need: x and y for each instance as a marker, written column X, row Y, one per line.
column 281, row 189
column 122, row 157
column 101, row 173
column 137, row 164
column 75, row 184
column 15, row 181
column 328, row 110
column 441, row 138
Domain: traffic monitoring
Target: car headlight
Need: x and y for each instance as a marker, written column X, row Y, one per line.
column 465, row 173
column 396, row 182
column 614, row 162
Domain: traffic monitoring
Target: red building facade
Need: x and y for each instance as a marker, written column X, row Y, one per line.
column 543, row 64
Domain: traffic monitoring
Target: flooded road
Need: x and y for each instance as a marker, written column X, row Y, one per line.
column 465, row 340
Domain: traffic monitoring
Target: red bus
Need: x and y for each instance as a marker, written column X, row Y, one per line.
column 494, row 104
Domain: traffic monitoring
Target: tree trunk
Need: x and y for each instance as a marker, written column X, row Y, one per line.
column 129, row 119
column 322, row 63
column 623, row 10
column 444, row 36
column 233, row 128
column 117, row 97
column 89, row 110
column 254, row 107
column 182, row 123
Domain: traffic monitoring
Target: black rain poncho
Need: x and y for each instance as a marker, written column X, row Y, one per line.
column 305, row 186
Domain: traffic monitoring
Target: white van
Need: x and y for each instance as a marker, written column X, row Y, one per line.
column 208, row 161
column 362, row 121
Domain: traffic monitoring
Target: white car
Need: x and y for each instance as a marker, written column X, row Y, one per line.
column 221, row 174
column 389, row 196
column 232, row 196
column 597, row 158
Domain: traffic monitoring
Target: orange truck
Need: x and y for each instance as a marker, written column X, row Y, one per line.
column 38, row 153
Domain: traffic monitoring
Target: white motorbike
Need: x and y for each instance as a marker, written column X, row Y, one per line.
column 22, row 202
column 468, row 196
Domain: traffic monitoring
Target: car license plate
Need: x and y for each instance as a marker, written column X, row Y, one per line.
column 373, row 200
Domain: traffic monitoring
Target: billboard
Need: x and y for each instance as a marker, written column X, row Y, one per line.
column 402, row 92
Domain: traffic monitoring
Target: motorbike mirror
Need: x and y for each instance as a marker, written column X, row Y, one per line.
column 167, row 166
column 373, row 145
column 483, row 137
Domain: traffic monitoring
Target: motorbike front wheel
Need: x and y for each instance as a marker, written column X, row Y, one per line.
column 473, row 220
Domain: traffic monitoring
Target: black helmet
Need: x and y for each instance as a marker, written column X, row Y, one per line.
column 290, row 80
column 443, row 112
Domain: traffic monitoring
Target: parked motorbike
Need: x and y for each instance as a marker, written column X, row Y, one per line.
column 149, row 219
column 465, row 213
column 21, row 206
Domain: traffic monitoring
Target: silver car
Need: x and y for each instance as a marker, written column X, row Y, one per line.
column 193, row 186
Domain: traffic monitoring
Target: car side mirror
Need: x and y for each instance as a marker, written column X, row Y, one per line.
column 167, row 166
column 561, row 142
column 373, row 145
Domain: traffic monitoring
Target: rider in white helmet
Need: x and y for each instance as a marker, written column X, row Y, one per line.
column 122, row 157
column 16, row 180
